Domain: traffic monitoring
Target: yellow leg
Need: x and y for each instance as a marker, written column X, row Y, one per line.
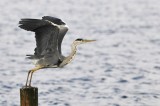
column 28, row 77
column 30, row 73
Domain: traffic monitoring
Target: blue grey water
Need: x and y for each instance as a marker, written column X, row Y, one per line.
column 122, row 68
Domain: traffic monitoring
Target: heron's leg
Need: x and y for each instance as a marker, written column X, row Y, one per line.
column 32, row 71
column 28, row 77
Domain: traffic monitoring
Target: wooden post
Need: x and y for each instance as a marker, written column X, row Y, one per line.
column 29, row 96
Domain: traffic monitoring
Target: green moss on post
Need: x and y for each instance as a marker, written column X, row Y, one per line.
column 29, row 96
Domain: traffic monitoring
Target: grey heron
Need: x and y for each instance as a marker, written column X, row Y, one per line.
column 49, row 33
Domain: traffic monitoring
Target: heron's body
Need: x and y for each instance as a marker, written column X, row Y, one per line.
column 49, row 33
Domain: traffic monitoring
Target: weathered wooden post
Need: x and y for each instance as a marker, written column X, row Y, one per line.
column 29, row 96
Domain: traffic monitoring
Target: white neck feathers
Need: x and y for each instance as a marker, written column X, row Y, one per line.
column 69, row 58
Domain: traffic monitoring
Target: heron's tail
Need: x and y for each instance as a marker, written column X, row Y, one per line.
column 31, row 24
column 29, row 56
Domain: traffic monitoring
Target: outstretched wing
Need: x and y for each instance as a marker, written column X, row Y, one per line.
column 62, row 29
column 46, row 35
column 32, row 24
column 62, row 32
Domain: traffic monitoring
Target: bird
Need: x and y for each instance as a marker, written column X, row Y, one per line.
column 49, row 33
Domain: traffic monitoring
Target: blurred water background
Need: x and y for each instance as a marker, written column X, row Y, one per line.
column 121, row 69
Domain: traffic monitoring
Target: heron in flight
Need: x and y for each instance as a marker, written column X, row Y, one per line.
column 49, row 33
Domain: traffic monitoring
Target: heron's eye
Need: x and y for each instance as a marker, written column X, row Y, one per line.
column 79, row 39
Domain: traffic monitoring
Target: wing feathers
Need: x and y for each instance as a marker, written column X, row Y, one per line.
column 32, row 24
column 62, row 33
column 48, row 36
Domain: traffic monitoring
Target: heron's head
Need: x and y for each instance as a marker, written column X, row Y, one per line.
column 82, row 41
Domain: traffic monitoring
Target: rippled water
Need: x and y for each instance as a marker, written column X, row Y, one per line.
column 121, row 69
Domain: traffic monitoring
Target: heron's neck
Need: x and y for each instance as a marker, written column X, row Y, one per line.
column 73, row 50
column 69, row 58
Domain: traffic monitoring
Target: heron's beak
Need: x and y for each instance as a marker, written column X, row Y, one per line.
column 85, row 41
